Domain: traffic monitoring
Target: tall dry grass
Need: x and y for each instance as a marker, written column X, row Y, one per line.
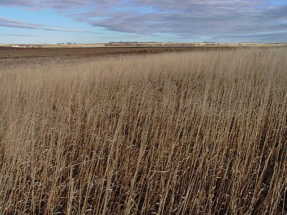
column 186, row 133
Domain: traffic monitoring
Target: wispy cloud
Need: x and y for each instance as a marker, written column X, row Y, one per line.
column 19, row 24
column 195, row 19
column 186, row 19
column 18, row 35
column 55, row 4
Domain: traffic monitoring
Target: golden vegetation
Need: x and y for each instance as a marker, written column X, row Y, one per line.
column 83, row 52
column 177, row 133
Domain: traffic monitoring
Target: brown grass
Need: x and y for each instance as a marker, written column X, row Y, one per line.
column 10, row 52
column 185, row 133
column 84, row 52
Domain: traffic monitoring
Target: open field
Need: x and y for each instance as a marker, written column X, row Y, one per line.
column 201, row 132
column 12, row 52
column 144, row 44
column 91, row 50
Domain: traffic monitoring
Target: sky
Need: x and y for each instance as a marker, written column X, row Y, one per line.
column 96, row 21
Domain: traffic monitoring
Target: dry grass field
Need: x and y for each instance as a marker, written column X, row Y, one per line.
column 173, row 133
column 12, row 52
column 84, row 51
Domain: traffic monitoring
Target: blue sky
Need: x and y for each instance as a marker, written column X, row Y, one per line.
column 91, row 21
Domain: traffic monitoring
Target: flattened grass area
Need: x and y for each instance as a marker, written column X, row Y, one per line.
column 175, row 133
